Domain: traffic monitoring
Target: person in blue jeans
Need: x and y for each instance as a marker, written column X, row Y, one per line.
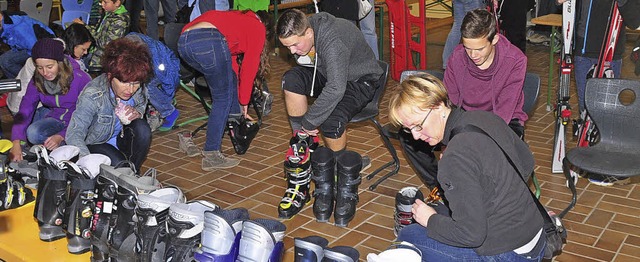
column 368, row 28
column 460, row 9
column 493, row 215
column 20, row 32
column 108, row 117
column 211, row 45
column 56, row 84
column 151, row 8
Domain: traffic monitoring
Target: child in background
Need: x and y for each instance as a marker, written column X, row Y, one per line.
column 114, row 25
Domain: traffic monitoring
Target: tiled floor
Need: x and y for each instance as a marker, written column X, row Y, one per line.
column 604, row 226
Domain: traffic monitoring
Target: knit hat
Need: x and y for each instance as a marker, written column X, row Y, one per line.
column 48, row 48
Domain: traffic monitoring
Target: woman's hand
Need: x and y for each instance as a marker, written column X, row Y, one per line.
column 132, row 113
column 561, row 1
column 53, row 142
column 422, row 212
column 15, row 154
column 245, row 112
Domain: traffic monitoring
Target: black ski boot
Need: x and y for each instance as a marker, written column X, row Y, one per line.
column 51, row 197
column 404, row 200
column 122, row 239
column 349, row 166
column 297, row 172
column 221, row 235
column 80, row 204
column 309, row 249
column 106, row 191
column 152, row 212
column 184, row 226
column 300, row 136
column 262, row 241
column 341, row 254
column 324, row 176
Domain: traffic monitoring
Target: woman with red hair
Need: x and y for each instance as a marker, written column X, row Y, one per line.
column 108, row 117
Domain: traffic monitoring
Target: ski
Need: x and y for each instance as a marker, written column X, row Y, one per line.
column 563, row 110
column 586, row 132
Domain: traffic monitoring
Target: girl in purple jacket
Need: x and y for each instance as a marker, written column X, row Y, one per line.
column 56, row 84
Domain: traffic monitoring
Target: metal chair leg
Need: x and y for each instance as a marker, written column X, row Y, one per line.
column 395, row 162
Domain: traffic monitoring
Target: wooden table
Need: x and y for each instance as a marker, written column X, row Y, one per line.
column 555, row 21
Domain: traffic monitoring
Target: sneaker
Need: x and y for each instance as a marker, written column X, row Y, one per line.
column 366, row 163
column 604, row 180
column 213, row 160
column 153, row 118
column 170, row 121
column 186, row 144
column 538, row 38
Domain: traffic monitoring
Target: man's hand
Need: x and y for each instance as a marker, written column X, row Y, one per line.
column 422, row 212
column 53, row 142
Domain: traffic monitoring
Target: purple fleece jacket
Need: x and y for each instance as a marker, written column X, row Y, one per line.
column 62, row 106
column 497, row 89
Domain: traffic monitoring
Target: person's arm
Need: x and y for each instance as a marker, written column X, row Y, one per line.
column 459, row 174
column 86, row 110
column 507, row 97
column 22, row 120
column 336, row 59
column 450, row 81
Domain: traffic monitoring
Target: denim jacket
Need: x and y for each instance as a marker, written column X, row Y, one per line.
column 93, row 122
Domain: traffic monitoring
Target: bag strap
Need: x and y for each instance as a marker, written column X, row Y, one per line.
column 475, row 129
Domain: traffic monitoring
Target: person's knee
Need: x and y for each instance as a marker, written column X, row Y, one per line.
column 141, row 130
column 33, row 135
column 293, row 81
column 333, row 128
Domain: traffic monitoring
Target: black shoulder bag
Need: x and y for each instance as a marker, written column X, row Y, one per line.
column 554, row 230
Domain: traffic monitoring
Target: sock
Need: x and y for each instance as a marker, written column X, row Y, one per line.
column 296, row 122
column 170, row 120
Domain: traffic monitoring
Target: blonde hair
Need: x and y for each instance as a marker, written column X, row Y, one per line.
column 422, row 90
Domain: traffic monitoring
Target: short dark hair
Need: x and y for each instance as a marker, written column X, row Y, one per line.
column 292, row 22
column 127, row 60
column 76, row 34
column 478, row 23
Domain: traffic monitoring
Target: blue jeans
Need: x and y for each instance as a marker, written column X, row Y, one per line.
column 12, row 61
column 582, row 65
column 151, row 8
column 460, row 9
column 368, row 28
column 206, row 50
column 161, row 96
column 133, row 144
column 432, row 250
column 43, row 127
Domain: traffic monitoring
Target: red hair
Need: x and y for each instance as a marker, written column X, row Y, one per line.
column 127, row 60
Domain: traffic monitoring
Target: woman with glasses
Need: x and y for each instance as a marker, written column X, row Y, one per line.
column 108, row 119
column 491, row 213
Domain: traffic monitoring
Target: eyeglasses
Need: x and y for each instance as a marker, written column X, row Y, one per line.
column 417, row 128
